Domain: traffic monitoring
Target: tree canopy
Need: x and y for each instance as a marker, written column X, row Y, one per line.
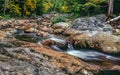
column 38, row 7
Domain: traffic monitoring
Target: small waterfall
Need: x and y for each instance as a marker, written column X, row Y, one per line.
column 89, row 54
column 81, row 53
column 56, row 48
column 70, row 46
column 39, row 42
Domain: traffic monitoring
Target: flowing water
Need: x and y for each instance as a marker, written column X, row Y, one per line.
column 87, row 55
column 70, row 47
column 92, row 55
column 84, row 54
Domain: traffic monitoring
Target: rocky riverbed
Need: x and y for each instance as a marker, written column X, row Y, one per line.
column 37, row 47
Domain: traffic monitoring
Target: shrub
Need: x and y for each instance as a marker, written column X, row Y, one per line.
column 6, row 17
column 58, row 19
column 86, row 7
column 1, row 17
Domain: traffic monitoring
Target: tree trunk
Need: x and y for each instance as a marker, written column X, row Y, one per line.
column 4, row 12
column 110, row 9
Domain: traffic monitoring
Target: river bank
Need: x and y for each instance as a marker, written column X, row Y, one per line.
column 38, row 47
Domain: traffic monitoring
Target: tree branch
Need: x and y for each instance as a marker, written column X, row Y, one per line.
column 114, row 19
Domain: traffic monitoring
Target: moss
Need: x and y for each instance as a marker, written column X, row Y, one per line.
column 58, row 19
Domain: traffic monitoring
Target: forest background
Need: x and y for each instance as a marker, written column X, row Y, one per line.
column 28, row 8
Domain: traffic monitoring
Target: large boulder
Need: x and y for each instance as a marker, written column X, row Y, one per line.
column 46, row 29
column 60, row 25
column 103, row 41
column 107, row 42
column 22, row 61
column 54, row 41
column 88, row 23
column 90, row 33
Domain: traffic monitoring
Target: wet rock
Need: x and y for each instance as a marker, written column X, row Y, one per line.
column 69, row 32
column 5, row 25
column 47, row 29
column 92, row 35
column 39, row 20
column 43, row 34
column 2, row 35
column 116, row 24
column 22, row 21
column 3, row 22
column 48, row 42
column 23, row 61
column 117, row 31
column 48, row 24
column 28, row 25
column 31, row 30
column 44, row 23
column 10, row 31
column 54, row 41
column 61, row 25
column 58, row 31
column 25, row 27
column 108, row 43
column 103, row 41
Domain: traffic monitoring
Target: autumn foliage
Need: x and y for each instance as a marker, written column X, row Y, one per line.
column 38, row 7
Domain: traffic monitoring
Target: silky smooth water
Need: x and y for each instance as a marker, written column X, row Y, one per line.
column 86, row 54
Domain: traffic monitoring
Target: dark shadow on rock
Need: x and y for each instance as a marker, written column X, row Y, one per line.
column 109, row 72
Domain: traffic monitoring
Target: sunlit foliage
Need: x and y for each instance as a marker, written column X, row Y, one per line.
column 38, row 7
column 86, row 7
column 29, row 6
